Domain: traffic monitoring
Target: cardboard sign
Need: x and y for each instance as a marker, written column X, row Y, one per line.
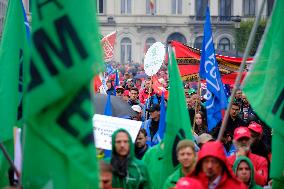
column 104, row 127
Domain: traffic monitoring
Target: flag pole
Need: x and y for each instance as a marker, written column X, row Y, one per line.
column 196, row 103
column 3, row 149
column 242, row 66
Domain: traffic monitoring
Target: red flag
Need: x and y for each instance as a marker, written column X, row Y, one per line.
column 108, row 46
column 152, row 6
column 159, row 88
column 97, row 83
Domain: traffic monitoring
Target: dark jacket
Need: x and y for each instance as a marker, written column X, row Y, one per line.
column 136, row 174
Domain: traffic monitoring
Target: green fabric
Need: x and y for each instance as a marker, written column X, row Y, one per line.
column 178, row 125
column 13, row 43
column 252, row 184
column 66, row 53
column 137, row 173
column 264, row 86
column 153, row 159
column 173, row 179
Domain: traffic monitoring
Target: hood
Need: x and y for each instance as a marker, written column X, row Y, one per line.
column 131, row 146
column 212, row 149
column 236, row 165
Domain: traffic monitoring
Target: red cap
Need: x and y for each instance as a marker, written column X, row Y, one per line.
column 241, row 132
column 255, row 127
column 188, row 183
column 126, row 93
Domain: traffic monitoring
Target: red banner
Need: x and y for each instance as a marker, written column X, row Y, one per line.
column 108, row 46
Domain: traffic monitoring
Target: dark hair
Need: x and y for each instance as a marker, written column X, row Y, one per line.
column 143, row 131
column 134, row 89
column 236, row 104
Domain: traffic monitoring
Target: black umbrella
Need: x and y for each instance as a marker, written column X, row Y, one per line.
column 120, row 108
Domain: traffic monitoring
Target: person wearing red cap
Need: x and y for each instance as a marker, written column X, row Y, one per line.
column 213, row 170
column 242, row 141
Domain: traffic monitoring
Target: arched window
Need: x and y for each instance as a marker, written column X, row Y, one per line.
column 198, row 42
column 224, row 44
column 225, row 10
column 177, row 37
column 125, row 50
column 150, row 41
column 200, row 9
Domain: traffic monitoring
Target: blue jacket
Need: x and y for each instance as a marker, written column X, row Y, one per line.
column 156, row 139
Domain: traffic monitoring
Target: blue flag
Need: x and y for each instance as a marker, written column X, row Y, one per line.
column 109, row 69
column 116, row 83
column 215, row 95
column 162, row 122
column 108, row 111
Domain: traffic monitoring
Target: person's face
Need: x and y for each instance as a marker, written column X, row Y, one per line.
column 255, row 137
column 243, row 172
column 212, row 167
column 140, row 140
column 108, row 85
column 155, row 114
column 119, row 93
column 244, row 99
column 243, row 142
column 106, row 180
column 234, row 111
column 122, row 144
column 238, row 94
column 133, row 95
column 186, row 157
column 125, row 97
column 198, row 119
column 147, row 84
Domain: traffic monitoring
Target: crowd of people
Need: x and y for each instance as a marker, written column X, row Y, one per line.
column 240, row 160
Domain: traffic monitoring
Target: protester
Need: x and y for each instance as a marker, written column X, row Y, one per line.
column 246, row 112
column 238, row 96
column 140, row 144
column 242, row 142
column 244, row 170
column 125, row 96
column 138, row 110
column 200, row 124
column 151, row 125
column 212, row 168
column 146, row 92
column 110, row 88
column 129, row 84
column 105, row 175
column 133, row 100
column 128, row 172
column 186, row 157
column 153, row 159
column 204, row 138
column 119, row 91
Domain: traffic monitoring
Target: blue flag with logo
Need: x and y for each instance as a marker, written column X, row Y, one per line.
column 109, row 69
column 162, row 122
column 215, row 95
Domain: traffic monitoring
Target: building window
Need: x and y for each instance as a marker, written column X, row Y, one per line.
column 176, row 6
column 125, row 53
column 200, row 9
column 177, row 37
column 125, row 6
column 148, row 7
column 249, row 7
column 224, row 44
column 101, row 4
column 269, row 6
column 198, row 42
column 149, row 42
column 225, row 10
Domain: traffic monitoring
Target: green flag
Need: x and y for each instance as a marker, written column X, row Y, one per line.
column 264, row 88
column 58, row 136
column 178, row 125
column 13, row 43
